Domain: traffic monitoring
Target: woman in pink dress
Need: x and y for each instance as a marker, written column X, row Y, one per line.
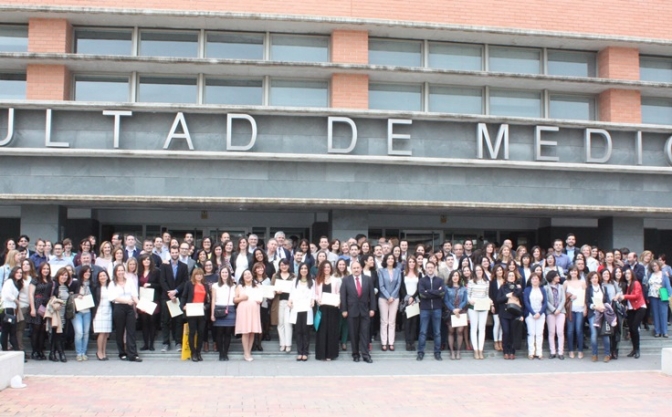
column 248, row 318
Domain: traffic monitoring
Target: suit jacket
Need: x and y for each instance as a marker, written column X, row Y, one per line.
column 190, row 265
column 170, row 282
column 353, row 304
column 389, row 287
column 154, row 281
column 136, row 253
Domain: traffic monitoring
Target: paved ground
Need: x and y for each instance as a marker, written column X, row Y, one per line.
column 280, row 386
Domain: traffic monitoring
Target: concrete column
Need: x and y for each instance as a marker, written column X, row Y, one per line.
column 621, row 232
column 346, row 224
column 43, row 222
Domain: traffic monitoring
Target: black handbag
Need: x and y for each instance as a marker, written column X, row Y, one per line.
column 9, row 318
column 605, row 328
column 221, row 312
column 514, row 309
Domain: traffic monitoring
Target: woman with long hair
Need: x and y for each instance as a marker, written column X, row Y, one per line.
column 24, row 300
column 456, row 299
column 124, row 294
column 102, row 314
column 597, row 300
column 248, row 319
column 196, row 292
column 555, row 315
column 341, row 271
column 148, row 277
column 280, row 310
column 478, row 293
column 39, row 293
column 536, row 304
column 301, row 296
column 408, row 292
column 57, row 322
column 240, row 259
column 495, row 284
column 105, row 258
column 657, row 282
column 10, row 302
column 81, row 323
column 509, row 293
column 223, row 313
column 575, row 290
column 327, row 337
column 636, row 309
column 259, row 271
column 389, row 283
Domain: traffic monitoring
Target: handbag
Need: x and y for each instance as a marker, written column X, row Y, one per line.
column 317, row 319
column 618, row 308
column 664, row 295
column 41, row 311
column 514, row 309
column 605, row 328
column 70, row 309
column 9, row 319
column 221, row 312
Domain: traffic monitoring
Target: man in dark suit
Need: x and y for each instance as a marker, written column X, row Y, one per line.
column 186, row 259
column 358, row 303
column 130, row 251
column 173, row 276
column 95, row 269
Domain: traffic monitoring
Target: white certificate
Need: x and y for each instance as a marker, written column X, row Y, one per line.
column 458, row 322
column 301, row 305
column 255, row 295
column 146, row 293
column 268, row 291
column 412, row 310
column 284, row 285
column 331, row 299
column 146, row 305
column 174, row 308
column 597, row 300
column 581, row 298
column 195, row 310
column 482, row 304
column 84, row 302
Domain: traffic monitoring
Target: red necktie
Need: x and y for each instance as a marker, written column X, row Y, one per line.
column 359, row 287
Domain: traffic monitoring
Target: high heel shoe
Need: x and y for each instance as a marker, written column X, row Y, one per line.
column 52, row 357
column 99, row 358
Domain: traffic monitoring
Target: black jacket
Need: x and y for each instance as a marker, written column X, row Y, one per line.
column 188, row 295
column 169, row 282
column 502, row 299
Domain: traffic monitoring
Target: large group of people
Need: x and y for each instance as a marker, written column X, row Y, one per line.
column 352, row 290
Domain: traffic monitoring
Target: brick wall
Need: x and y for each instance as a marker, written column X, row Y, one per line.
column 620, row 106
column 49, row 35
column 350, row 91
column 47, row 82
column 350, row 47
column 618, row 63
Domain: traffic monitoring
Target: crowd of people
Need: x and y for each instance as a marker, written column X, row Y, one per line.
column 353, row 290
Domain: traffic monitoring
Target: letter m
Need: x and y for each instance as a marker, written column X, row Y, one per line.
column 502, row 137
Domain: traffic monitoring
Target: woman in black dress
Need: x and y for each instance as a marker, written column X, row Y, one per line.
column 326, row 341
column 39, row 293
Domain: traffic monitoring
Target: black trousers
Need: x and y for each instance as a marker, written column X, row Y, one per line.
column 124, row 321
column 507, row 335
column 9, row 331
column 635, row 318
column 302, row 334
column 170, row 325
column 148, row 328
column 358, row 328
column 196, row 330
column 223, row 338
column 410, row 329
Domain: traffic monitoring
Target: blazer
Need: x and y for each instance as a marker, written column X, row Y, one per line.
column 136, row 253
column 589, row 299
column 502, row 299
column 528, row 303
column 449, row 298
column 402, row 290
column 95, row 292
column 353, row 304
column 169, row 282
column 635, row 295
column 188, row 295
column 493, row 293
column 389, row 286
column 154, row 281
column 190, row 265
column 549, row 300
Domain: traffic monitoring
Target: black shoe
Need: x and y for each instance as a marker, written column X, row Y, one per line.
column 144, row 348
column 646, row 326
column 553, row 356
column 632, row 353
column 420, row 357
column 35, row 356
column 267, row 338
column 355, row 358
column 52, row 357
column 123, row 356
column 135, row 359
column 368, row 359
column 61, row 357
column 151, row 348
column 194, row 358
column 656, row 335
column 41, row 356
column 200, row 358
column 637, row 354
column 437, row 356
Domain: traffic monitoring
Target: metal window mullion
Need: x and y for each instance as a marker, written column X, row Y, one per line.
column 544, row 61
column 134, row 86
column 266, row 99
column 425, row 53
column 486, row 100
column 200, row 87
column 201, row 44
column 425, row 97
column 486, row 57
column 546, row 97
column 267, row 46
column 135, row 38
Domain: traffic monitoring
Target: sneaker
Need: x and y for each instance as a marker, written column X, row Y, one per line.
column 178, row 347
column 165, row 348
column 421, row 356
column 79, row 358
column 85, row 358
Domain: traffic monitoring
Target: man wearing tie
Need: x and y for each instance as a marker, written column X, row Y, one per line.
column 358, row 302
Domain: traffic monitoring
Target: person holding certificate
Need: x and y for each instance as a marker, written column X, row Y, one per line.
column 223, row 314
column 102, row 314
column 248, row 320
column 301, row 302
column 456, row 301
column 575, row 288
column 196, row 292
column 82, row 320
column 479, row 306
column 408, row 292
column 326, row 287
column 124, row 295
column 535, row 306
column 148, row 278
column 279, row 308
column 259, row 271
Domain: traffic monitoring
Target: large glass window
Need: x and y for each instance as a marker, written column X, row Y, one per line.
column 298, row 48
column 173, row 44
column 229, row 45
column 456, row 56
column 163, row 89
column 395, row 52
column 13, row 38
column 572, row 63
column 571, row 107
column 455, row 100
column 298, row 93
column 655, row 69
column 395, row 97
column 515, row 103
column 657, row 111
column 103, row 41
column 515, row 60
column 101, row 88
column 233, row 91
column 12, row 86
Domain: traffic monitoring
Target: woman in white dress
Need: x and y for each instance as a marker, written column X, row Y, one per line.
column 102, row 314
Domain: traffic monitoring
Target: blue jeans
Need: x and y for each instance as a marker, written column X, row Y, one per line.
column 575, row 329
column 593, row 338
column 81, row 323
column 425, row 317
column 659, row 313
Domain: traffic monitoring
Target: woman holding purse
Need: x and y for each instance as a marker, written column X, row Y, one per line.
column 223, row 312
column 57, row 305
column 509, row 295
column 10, row 301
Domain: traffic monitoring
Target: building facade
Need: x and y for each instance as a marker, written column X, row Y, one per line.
column 426, row 120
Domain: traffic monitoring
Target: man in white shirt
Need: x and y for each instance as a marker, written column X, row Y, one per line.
column 324, row 246
column 185, row 258
column 167, row 237
column 378, row 256
column 403, row 245
column 58, row 261
column 570, row 249
column 252, row 241
column 158, row 250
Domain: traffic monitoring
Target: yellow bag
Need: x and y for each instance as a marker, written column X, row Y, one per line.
column 186, row 352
